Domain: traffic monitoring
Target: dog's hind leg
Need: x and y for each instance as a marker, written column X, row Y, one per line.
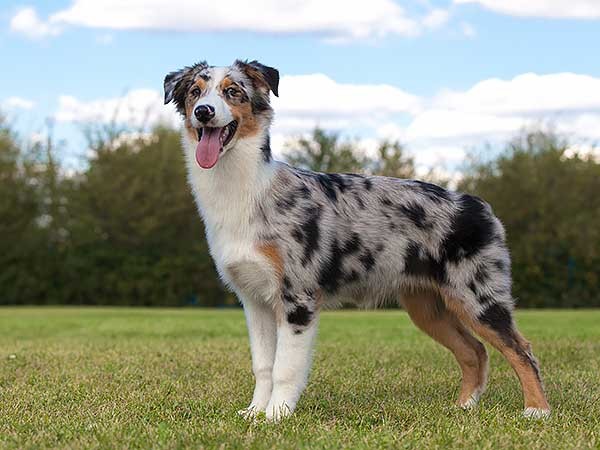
column 428, row 312
column 495, row 324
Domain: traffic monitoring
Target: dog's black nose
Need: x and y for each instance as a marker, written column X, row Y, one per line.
column 204, row 113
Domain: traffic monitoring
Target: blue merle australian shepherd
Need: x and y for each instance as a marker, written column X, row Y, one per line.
column 291, row 242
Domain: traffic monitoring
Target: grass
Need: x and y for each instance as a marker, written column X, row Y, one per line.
column 139, row 378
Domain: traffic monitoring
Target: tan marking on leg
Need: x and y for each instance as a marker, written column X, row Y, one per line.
column 518, row 354
column 518, row 357
column 270, row 251
column 428, row 312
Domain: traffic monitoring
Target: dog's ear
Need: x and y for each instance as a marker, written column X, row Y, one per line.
column 177, row 84
column 171, row 81
column 266, row 75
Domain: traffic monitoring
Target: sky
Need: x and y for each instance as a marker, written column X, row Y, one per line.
column 440, row 76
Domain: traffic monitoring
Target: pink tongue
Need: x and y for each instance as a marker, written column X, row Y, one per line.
column 209, row 147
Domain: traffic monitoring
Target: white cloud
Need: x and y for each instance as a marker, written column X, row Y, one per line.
column 448, row 124
column 334, row 20
column 306, row 100
column 495, row 109
column 583, row 150
column 527, row 94
column 576, row 9
column 27, row 22
column 586, row 124
column 138, row 108
column 436, row 18
column 17, row 103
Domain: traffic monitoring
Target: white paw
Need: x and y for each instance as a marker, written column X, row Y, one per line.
column 536, row 413
column 250, row 412
column 470, row 403
column 278, row 410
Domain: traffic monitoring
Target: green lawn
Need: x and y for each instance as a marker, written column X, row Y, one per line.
column 140, row 378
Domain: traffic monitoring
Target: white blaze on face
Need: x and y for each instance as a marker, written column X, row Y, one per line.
column 214, row 98
column 217, row 132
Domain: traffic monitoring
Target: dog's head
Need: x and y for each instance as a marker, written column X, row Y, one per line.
column 222, row 105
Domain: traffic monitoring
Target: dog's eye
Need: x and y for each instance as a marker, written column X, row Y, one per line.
column 232, row 92
column 195, row 92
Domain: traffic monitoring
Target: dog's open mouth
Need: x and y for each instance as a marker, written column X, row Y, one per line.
column 211, row 141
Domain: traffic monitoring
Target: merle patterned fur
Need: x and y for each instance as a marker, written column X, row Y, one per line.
column 336, row 230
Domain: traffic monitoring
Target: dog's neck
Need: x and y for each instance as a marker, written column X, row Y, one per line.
column 227, row 194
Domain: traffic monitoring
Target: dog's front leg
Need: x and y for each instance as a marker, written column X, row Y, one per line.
column 292, row 365
column 262, row 331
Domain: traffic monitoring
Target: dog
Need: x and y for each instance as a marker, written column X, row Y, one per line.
column 290, row 242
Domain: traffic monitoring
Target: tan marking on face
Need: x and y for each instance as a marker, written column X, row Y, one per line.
column 189, row 105
column 241, row 111
column 247, row 123
column 190, row 130
column 190, row 100
column 225, row 83
column 201, row 83
column 271, row 252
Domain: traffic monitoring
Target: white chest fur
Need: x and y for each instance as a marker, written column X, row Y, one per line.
column 227, row 197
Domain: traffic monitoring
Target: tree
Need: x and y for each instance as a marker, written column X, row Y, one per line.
column 22, row 244
column 136, row 237
column 391, row 161
column 548, row 200
column 325, row 152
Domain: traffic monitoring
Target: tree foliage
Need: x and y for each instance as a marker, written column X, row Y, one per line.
column 326, row 152
column 548, row 200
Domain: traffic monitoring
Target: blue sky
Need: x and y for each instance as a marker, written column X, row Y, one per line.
column 441, row 76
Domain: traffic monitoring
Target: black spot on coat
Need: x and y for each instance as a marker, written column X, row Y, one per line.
column 500, row 265
column 300, row 316
column 434, row 192
column 499, row 319
column 415, row 213
column 367, row 260
column 330, row 183
column 419, row 263
column 472, row 230
column 309, row 234
column 266, row 149
column 331, row 273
